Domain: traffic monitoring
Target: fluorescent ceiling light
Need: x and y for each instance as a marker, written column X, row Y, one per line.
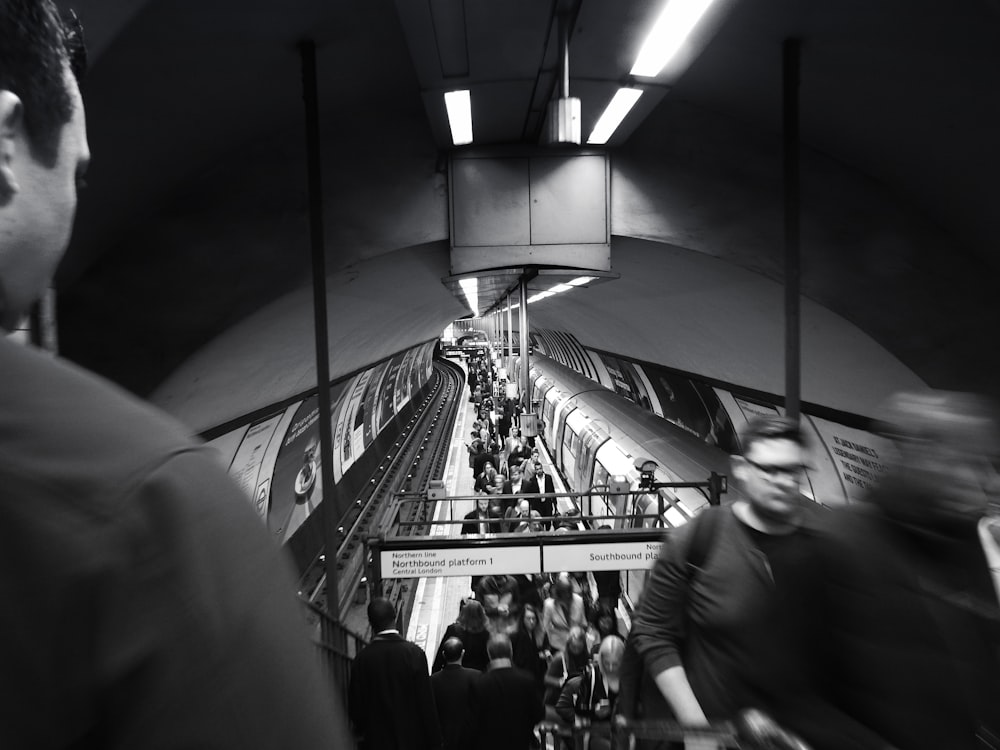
column 459, row 106
column 581, row 280
column 515, row 306
column 471, row 289
column 540, row 295
column 619, row 106
column 668, row 34
column 560, row 288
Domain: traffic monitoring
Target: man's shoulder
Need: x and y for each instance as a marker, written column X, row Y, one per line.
column 67, row 430
column 394, row 643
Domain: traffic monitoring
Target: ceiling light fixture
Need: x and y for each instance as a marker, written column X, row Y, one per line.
column 539, row 296
column 619, row 106
column 581, row 280
column 470, row 287
column 668, row 34
column 459, row 106
column 560, row 288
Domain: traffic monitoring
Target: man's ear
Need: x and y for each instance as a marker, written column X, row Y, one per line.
column 11, row 126
column 738, row 467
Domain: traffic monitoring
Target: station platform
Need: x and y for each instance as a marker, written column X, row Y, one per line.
column 438, row 599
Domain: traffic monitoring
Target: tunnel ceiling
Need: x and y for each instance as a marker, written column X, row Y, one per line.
column 197, row 210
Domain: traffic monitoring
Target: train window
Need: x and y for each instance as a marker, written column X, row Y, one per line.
column 674, row 517
column 599, row 500
column 690, row 501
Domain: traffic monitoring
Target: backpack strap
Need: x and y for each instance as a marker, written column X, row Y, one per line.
column 701, row 540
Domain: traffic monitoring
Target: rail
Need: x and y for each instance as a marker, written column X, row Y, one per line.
column 336, row 647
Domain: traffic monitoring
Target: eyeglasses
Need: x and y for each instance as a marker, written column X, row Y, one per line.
column 792, row 471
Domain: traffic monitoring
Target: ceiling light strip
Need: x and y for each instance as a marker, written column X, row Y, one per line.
column 668, row 34
column 619, row 106
column 459, row 106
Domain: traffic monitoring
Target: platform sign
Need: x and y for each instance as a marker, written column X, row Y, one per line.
column 614, row 556
column 471, row 561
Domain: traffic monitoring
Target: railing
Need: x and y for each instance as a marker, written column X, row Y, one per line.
column 336, row 646
column 752, row 730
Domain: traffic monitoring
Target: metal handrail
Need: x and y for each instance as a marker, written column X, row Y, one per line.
column 336, row 647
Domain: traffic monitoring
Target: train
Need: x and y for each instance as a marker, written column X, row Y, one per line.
column 600, row 441
column 599, row 437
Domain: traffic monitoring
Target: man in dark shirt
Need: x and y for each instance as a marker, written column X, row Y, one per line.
column 390, row 700
column 454, row 696
column 509, row 702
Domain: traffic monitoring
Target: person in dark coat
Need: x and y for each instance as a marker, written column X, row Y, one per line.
column 907, row 625
column 509, row 703
column 538, row 482
column 470, row 630
column 483, row 520
column 455, row 698
column 390, row 700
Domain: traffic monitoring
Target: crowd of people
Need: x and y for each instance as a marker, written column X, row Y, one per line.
column 502, row 667
column 872, row 626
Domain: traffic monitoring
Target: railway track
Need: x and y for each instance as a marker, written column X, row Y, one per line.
column 418, row 456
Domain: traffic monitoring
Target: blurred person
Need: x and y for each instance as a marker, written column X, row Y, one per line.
column 470, row 628
column 531, row 651
column 909, row 618
column 500, row 596
column 144, row 604
column 562, row 610
column 717, row 629
column 454, row 696
column 603, row 622
column 591, row 696
column 483, row 519
column 608, row 582
column 390, row 700
column 566, row 664
column 509, row 702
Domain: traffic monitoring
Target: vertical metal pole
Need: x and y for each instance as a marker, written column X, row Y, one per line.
column 523, row 322
column 510, row 331
column 790, row 75
column 564, row 54
column 307, row 50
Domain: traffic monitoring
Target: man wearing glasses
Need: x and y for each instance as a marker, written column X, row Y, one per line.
column 716, row 630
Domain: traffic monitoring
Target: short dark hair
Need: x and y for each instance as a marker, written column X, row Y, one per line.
column 452, row 650
column 35, row 45
column 498, row 646
column 771, row 428
column 381, row 614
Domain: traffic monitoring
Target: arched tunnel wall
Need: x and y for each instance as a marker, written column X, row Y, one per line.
column 705, row 193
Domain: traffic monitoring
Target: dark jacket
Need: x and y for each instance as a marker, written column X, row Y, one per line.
column 909, row 627
column 509, row 706
column 390, row 699
column 544, row 506
column 142, row 603
column 455, row 697
column 472, row 521
column 474, row 644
